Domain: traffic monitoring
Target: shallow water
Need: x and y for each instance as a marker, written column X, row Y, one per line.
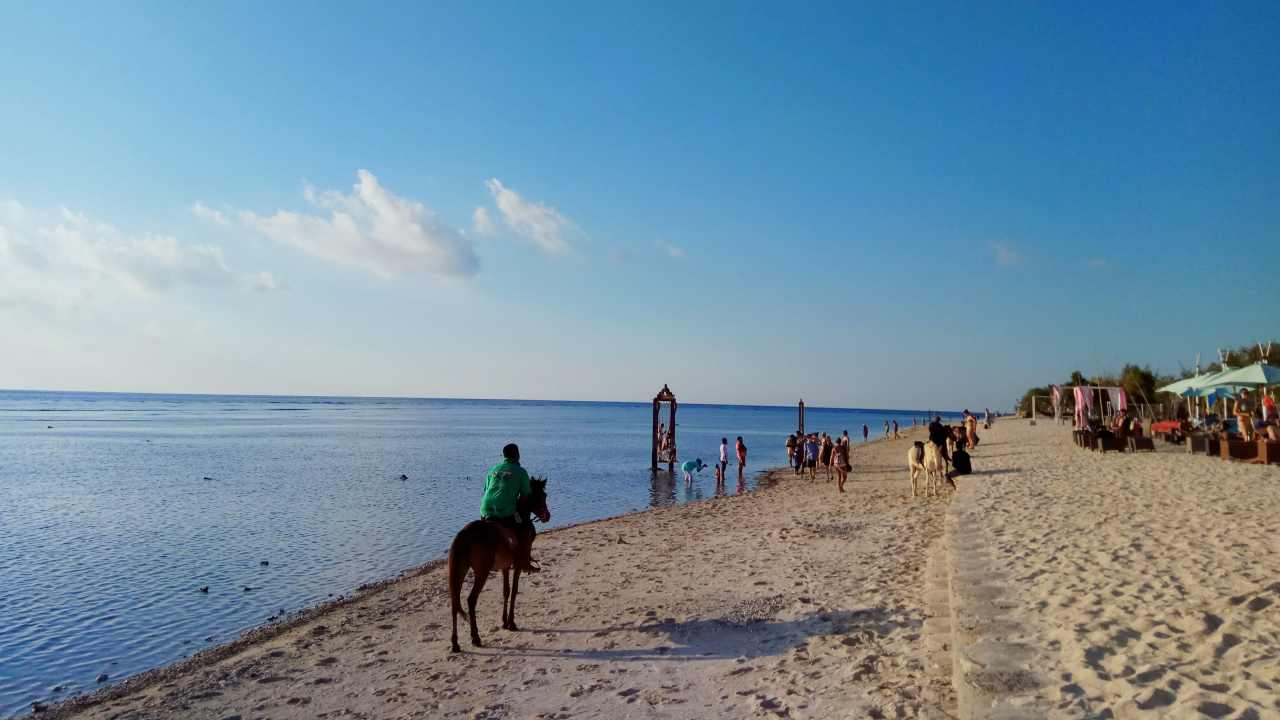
column 113, row 518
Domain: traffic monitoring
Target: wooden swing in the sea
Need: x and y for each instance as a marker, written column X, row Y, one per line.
column 664, row 436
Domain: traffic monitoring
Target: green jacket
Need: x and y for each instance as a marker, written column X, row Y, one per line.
column 505, row 482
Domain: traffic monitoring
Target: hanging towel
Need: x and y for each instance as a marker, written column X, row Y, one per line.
column 1056, row 392
column 1124, row 399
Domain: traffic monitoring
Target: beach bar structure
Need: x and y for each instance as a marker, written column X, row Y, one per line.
column 664, row 441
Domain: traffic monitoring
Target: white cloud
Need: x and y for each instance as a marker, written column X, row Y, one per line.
column 205, row 212
column 1006, row 255
column 62, row 259
column 482, row 223
column 372, row 229
column 542, row 225
column 672, row 250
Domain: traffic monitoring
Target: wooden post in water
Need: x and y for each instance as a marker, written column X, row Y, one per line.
column 801, row 417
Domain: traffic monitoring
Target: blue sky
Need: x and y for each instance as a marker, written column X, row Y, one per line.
column 890, row 204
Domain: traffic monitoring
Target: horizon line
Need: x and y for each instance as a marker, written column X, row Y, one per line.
column 467, row 399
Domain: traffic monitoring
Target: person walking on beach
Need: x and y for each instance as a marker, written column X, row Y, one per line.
column 895, row 429
column 865, row 432
column 505, row 483
column 886, row 428
column 844, row 438
column 791, row 450
column 841, row 463
column 811, row 456
column 824, row 453
column 741, row 449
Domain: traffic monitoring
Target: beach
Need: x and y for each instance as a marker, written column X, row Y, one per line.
column 1056, row 583
column 1130, row 584
column 790, row 601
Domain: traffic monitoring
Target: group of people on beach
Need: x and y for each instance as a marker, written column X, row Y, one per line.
column 813, row 450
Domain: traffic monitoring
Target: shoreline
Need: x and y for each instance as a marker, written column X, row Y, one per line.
column 765, row 481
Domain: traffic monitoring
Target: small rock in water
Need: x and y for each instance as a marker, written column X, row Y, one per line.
column 103, row 677
column 403, row 476
column 50, row 427
column 206, row 477
column 56, row 688
column 204, row 588
column 38, row 707
column 264, row 563
column 247, row 588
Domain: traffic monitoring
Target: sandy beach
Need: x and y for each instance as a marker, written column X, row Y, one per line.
column 1073, row 584
column 1144, row 584
column 790, row 601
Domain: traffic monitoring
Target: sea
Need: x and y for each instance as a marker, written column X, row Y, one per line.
column 117, row 509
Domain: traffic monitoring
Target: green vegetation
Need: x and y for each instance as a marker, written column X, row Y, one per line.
column 1140, row 382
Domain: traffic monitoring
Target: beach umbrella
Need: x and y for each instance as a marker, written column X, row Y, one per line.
column 1182, row 386
column 1255, row 375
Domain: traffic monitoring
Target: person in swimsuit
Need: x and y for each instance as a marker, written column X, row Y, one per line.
column 865, row 432
column 1244, row 414
column 741, row 449
column 841, row 462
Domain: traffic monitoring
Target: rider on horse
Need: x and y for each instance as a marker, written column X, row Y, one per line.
column 503, row 485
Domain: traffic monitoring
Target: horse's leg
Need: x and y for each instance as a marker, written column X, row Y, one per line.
column 481, row 575
column 515, row 590
column 506, row 592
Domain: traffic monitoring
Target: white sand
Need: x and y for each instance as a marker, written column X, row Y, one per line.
column 1151, row 582
column 792, row 601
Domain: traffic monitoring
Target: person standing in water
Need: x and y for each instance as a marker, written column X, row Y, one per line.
column 866, row 431
column 741, row 449
column 690, row 467
column 724, row 458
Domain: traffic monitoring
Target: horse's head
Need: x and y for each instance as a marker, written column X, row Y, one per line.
column 536, row 503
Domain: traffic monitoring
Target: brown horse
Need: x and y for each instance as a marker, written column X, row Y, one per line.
column 481, row 547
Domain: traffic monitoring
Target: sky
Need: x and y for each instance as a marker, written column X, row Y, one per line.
column 910, row 205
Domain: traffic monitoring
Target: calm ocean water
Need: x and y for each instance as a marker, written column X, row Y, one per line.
column 116, row 508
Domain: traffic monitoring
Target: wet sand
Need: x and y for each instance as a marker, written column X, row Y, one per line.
column 790, row 601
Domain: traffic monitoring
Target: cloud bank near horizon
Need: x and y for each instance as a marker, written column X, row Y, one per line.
column 61, row 259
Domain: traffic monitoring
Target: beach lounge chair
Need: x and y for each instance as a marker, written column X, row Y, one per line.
column 1238, row 450
column 1114, row 442
column 1269, row 452
column 1139, row 443
column 1202, row 444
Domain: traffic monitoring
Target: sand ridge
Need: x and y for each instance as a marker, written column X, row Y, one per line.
column 791, row 601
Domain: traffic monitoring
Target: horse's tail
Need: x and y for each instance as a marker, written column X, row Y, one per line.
column 457, row 572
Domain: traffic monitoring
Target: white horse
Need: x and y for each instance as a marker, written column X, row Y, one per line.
column 935, row 469
column 925, row 459
column 915, row 466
